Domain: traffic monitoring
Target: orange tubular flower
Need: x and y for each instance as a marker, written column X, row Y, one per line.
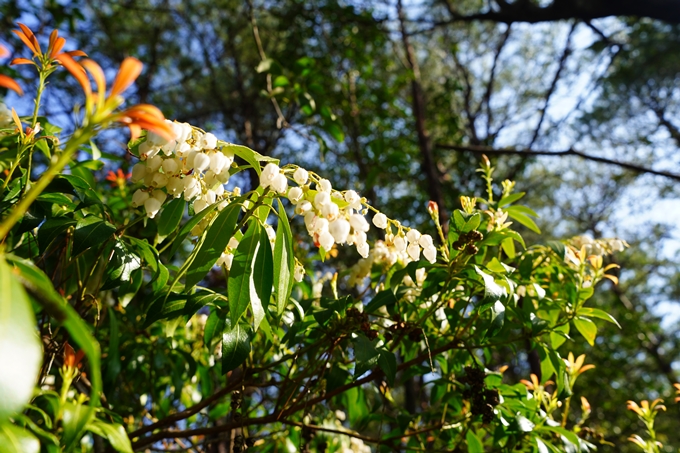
column 53, row 49
column 100, row 108
column 5, row 81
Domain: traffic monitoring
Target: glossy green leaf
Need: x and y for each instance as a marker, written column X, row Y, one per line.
column 112, row 432
column 492, row 290
column 262, row 279
column 510, row 198
column 14, row 439
column 587, row 328
column 388, row 364
column 366, row 355
column 239, row 280
column 216, row 239
column 284, row 262
column 598, row 313
column 20, row 347
column 91, row 232
column 521, row 216
column 474, row 445
column 472, row 223
column 170, row 217
column 235, row 345
column 213, row 324
column 187, row 227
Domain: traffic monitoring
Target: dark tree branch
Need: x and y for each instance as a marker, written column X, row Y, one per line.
column 418, row 104
column 569, row 152
column 525, row 11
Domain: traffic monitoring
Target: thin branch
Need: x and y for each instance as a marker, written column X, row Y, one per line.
column 569, row 152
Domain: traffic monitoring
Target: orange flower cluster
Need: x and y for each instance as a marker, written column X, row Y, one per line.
column 100, row 109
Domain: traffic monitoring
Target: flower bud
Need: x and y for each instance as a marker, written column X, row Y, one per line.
column 413, row 251
column 413, row 235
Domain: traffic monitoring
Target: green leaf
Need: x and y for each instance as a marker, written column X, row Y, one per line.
column 497, row 319
column 91, row 231
column 284, row 262
column 383, row 298
column 473, row 443
column 597, row 313
column 458, row 219
column 186, row 229
column 239, row 280
column 521, row 216
column 388, row 364
column 262, row 279
column 472, row 223
column 559, row 335
column 112, row 432
column 235, row 345
column 216, row 239
column 75, row 420
column 113, row 364
column 568, row 435
column 170, row 217
column 508, row 246
column 14, row 439
column 251, row 157
column 51, row 229
column 20, row 347
column 213, row 324
column 587, row 328
column 510, row 198
column 366, row 355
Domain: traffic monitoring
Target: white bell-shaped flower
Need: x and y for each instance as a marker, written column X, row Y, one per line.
column 139, row 197
column 330, row 211
column 303, row 208
column 321, row 199
column 159, row 180
column 175, row 187
column 363, row 249
column 192, row 188
column 339, row 229
column 154, row 163
column 413, row 251
column 325, row 240
column 280, row 183
column 353, row 199
column 201, row 162
column 301, row 176
column 170, row 166
column 217, row 162
column 209, row 141
column 159, row 195
column 425, row 241
column 295, row 194
column 413, row 236
column 269, row 173
column 152, row 206
column 138, row 172
column 324, row 185
column 359, row 222
column 380, row 220
column 430, row 253
column 399, row 243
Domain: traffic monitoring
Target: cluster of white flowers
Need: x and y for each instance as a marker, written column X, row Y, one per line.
column 189, row 166
column 334, row 217
column 598, row 247
column 195, row 166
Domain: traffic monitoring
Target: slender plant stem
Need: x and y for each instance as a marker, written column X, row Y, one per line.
column 79, row 138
